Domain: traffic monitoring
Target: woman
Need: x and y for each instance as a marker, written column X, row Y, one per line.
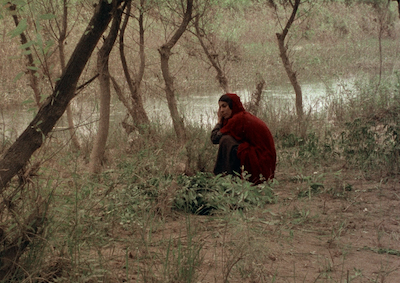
column 245, row 142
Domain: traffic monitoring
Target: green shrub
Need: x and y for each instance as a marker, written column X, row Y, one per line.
column 206, row 194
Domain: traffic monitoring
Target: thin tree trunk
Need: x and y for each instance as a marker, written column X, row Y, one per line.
column 99, row 145
column 54, row 106
column 139, row 114
column 256, row 97
column 213, row 58
column 165, row 53
column 61, row 40
column 31, row 68
column 289, row 70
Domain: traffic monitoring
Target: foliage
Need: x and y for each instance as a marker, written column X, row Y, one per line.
column 203, row 194
column 359, row 129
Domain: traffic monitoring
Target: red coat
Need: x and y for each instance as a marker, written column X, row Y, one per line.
column 257, row 148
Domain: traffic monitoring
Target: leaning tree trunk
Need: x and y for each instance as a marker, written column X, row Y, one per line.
column 54, row 106
column 99, row 145
column 289, row 70
column 165, row 53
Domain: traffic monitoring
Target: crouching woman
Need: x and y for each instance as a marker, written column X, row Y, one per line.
column 245, row 142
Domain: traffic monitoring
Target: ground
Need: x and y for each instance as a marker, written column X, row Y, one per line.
column 343, row 228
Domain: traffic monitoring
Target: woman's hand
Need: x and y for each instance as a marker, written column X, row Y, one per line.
column 220, row 118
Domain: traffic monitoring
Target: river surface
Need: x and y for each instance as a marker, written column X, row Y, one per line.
column 196, row 109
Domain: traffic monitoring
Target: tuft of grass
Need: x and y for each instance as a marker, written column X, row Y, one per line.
column 205, row 194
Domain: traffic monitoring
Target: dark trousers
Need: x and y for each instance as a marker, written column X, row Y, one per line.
column 227, row 159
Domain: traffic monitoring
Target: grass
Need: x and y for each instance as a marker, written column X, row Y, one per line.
column 331, row 209
column 156, row 214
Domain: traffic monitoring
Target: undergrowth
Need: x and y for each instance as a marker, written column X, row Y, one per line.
column 85, row 216
column 77, row 226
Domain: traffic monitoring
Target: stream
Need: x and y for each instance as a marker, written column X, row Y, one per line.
column 196, row 109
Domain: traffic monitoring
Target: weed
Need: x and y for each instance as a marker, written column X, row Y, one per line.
column 203, row 194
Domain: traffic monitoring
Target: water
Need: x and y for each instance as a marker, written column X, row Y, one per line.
column 196, row 109
column 202, row 109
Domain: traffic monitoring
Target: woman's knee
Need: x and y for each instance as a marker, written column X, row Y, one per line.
column 227, row 139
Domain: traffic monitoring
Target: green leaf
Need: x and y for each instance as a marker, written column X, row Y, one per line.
column 48, row 46
column 18, row 76
column 34, row 68
column 19, row 2
column 39, row 40
column 29, row 101
column 27, row 45
column 42, row 98
column 19, row 29
column 47, row 17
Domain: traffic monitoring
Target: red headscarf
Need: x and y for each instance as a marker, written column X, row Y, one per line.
column 257, row 149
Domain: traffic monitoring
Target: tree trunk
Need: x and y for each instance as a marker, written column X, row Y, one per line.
column 99, row 145
column 139, row 114
column 213, row 58
column 165, row 53
column 54, row 106
column 61, row 40
column 289, row 70
column 31, row 68
column 254, row 104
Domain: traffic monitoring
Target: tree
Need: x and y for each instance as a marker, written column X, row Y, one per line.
column 287, row 64
column 33, row 137
column 54, row 106
column 61, row 35
column 134, row 105
column 47, row 19
column 398, row 6
column 99, row 145
column 210, row 52
column 31, row 66
column 165, row 53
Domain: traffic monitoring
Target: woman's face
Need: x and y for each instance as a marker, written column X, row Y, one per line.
column 224, row 109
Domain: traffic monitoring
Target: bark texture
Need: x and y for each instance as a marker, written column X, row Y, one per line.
column 165, row 53
column 54, row 106
column 289, row 69
column 31, row 68
column 99, row 145
column 213, row 58
column 254, row 104
column 135, row 107
column 61, row 40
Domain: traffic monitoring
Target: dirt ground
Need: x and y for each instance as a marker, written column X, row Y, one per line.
column 341, row 229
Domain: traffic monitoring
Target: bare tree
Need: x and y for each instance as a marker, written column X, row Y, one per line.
column 165, row 53
column 54, row 106
column 287, row 64
column 212, row 56
column 398, row 6
column 62, row 36
column 29, row 227
column 31, row 66
column 134, row 104
column 99, row 145
column 382, row 13
column 254, row 103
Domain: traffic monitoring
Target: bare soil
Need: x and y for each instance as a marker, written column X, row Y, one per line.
column 346, row 229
